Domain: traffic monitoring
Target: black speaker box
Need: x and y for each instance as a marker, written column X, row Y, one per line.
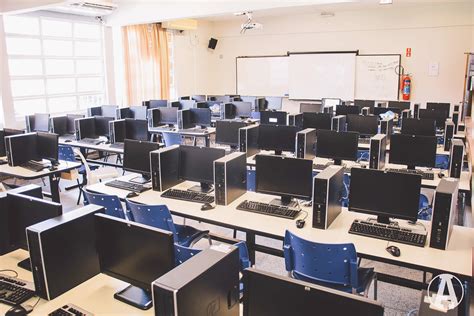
column 212, row 43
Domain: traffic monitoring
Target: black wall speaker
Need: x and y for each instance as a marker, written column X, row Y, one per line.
column 212, row 43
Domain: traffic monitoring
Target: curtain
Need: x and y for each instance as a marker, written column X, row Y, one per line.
column 146, row 63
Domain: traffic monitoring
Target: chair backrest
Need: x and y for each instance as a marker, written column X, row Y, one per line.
column 243, row 255
column 171, row 139
column 158, row 216
column 326, row 264
column 91, row 179
column 66, row 153
column 110, row 203
column 182, row 254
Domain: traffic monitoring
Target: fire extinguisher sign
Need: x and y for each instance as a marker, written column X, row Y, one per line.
column 408, row 53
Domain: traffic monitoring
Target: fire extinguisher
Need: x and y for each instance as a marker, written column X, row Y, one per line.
column 406, row 87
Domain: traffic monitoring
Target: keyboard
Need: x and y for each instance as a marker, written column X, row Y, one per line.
column 14, row 291
column 117, row 145
column 70, row 310
column 268, row 209
column 195, row 130
column 387, row 232
column 129, row 186
column 33, row 166
column 424, row 175
column 189, row 196
column 90, row 141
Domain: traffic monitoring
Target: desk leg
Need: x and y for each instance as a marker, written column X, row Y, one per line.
column 207, row 139
column 54, row 186
column 250, row 240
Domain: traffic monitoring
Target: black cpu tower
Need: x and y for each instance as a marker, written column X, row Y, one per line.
column 327, row 193
column 248, row 140
column 164, row 166
column 338, row 123
column 63, row 251
column 328, row 109
column 205, row 285
column 455, row 119
column 28, row 119
column 365, row 110
column 456, row 158
column 416, row 107
column 227, row 111
column 378, row 146
column 295, row 119
column 230, row 177
column 305, row 141
column 448, row 134
column 153, row 117
column 386, row 127
column 444, row 207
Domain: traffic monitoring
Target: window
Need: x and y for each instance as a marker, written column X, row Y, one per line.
column 56, row 65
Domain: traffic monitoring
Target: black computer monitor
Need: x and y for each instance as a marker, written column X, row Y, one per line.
column 273, row 117
column 201, row 117
column 59, row 125
column 268, row 294
column 134, row 253
column 403, row 105
column 413, row 150
column 47, row 146
column 242, row 109
column 87, row 128
column 41, row 122
column 139, row 112
column 219, row 98
column 23, row 148
column 274, row 103
column 365, row 104
column 337, row 145
column 311, row 107
column 169, row 116
column 197, row 164
column 365, row 125
column 317, row 120
column 202, row 105
column 422, row 127
column 227, row 132
column 71, row 128
column 158, row 104
column 109, row 111
column 136, row 158
column 439, row 106
column 385, row 194
column 136, row 129
column 277, row 137
column 247, row 98
column 4, row 133
column 283, row 176
column 102, row 125
column 12, row 131
column 347, row 109
column 439, row 115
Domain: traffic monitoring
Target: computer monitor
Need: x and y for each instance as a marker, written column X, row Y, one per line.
column 317, row 120
column 284, row 176
column 413, row 150
column 136, row 158
column 201, row 117
column 4, row 133
column 71, row 128
column 59, row 125
column 273, row 117
column 47, row 146
column 102, row 125
column 199, row 98
column 274, row 103
column 277, row 137
column 385, row 194
column 337, row 145
column 439, row 115
column 347, row 109
column 23, row 148
column 139, row 112
column 12, row 131
column 187, row 97
column 158, row 104
column 169, row 116
column 331, row 102
column 197, row 164
column 109, row 111
column 421, row 127
column 134, row 253
column 439, row 106
column 268, row 294
column 365, row 125
column 242, row 109
column 227, row 132
column 41, row 122
column 136, row 129
column 87, row 128
column 403, row 105
column 311, row 107
column 247, row 98
column 365, row 104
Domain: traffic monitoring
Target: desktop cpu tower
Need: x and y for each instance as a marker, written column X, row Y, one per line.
column 305, row 141
column 230, row 177
column 456, row 158
column 338, row 123
column 184, row 119
column 116, row 130
column 365, row 111
column 227, row 111
column 205, row 285
column 405, row 113
column 153, row 117
column 295, row 119
column 328, row 109
column 378, row 146
column 444, row 208
column 416, row 107
column 327, row 192
column 455, row 121
column 77, row 130
column 164, row 166
column 448, row 134
column 28, row 119
column 63, row 251
column 248, row 140
column 386, row 127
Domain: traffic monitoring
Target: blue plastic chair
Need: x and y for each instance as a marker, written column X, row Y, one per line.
column 251, row 180
column 159, row 216
column 171, row 139
column 110, row 203
column 331, row 265
column 346, row 181
column 424, row 208
column 442, row 161
column 362, row 155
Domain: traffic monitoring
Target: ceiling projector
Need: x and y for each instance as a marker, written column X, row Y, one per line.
column 251, row 26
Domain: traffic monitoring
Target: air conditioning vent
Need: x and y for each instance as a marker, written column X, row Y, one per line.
column 87, row 8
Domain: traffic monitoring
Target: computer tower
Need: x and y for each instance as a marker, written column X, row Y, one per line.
column 230, row 177
column 227, row 111
column 444, row 208
column 406, row 113
column 184, row 119
column 378, row 147
column 416, row 108
column 164, row 166
column 455, row 119
column 456, row 158
column 365, row 110
column 386, row 127
column 205, row 285
column 77, row 133
column 63, row 251
column 305, row 142
column 448, row 134
column 295, row 119
column 29, row 122
column 327, row 193
column 328, row 109
column 153, row 117
column 117, row 131
column 338, row 123
column 248, row 140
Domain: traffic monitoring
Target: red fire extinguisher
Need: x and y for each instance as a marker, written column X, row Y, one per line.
column 406, row 87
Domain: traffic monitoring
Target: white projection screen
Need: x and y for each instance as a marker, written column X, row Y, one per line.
column 322, row 75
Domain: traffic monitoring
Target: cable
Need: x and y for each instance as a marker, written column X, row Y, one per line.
column 9, row 270
column 305, row 216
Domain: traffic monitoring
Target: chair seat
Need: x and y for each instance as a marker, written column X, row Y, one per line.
column 187, row 234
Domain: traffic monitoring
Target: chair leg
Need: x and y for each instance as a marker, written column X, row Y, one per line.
column 375, row 287
column 209, row 240
column 235, row 234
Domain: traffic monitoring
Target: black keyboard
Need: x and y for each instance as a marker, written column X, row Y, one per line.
column 70, row 310
column 33, row 166
column 319, row 166
column 90, row 141
column 117, row 145
column 190, row 196
column 14, row 291
column 268, row 209
column 387, row 232
column 424, row 175
column 195, row 130
column 129, row 186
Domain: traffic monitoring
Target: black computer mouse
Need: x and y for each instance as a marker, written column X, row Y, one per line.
column 300, row 223
column 207, row 207
column 132, row 195
column 393, row 250
column 440, row 175
column 68, row 141
column 107, row 143
column 53, row 168
column 19, row 311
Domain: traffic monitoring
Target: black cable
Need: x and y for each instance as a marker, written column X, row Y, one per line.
column 34, row 306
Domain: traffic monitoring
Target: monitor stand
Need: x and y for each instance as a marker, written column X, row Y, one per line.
column 203, row 188
column 278, row 152
column 141, row 179
column 284, row 201
column 338, row 162
column 135, row 296
column 25, row 264
column 409, row 167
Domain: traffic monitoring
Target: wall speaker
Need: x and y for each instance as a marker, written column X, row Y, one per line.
column 212, row 43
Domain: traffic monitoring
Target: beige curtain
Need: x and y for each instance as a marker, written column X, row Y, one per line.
column 146, row 63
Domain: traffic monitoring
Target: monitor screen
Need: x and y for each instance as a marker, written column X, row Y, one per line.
column 87, row 128
column 347, row 109
column 365, row 104
column 131, row 252
column 47, row 145
column 389, row 194
column 158, row 104
column 23, row 148
column 169, row 115
column 364, row 125
column 413, row 150
column 274, row 103
column 71, row 128
column 136, row 129
column 197, row 163
column 317, row 120
column 201, row 117
column 311, row 107
column 284, row 176
column 109, row 111
column 41, row 122
column 102, row 125
column 227, row 132
column 273, row 117
column 139, row 112
column 439, row 106
column 136, row 156
column 422, row 127
column 337, row 145
column 59, row 125
column 439, row 115
column 243, row 109
column 277, row 137
column 403, row 105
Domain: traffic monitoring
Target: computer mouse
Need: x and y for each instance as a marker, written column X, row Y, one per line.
column 393, row 250
column 19, row 310
column 53, row 168
column 107, row 143
column 300, row 223
column 440, row 175
column 132, row 195
column 68, row 141
column 207, row 207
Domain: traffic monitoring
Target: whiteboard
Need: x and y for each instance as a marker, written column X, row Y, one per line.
column 262, row 76
column 322, row 75
column 376, row 77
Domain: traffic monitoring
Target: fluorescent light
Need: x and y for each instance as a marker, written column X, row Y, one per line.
column 385, row 1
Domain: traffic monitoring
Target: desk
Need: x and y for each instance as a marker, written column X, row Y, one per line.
column 101, row 147
column 456, row 259
column 23, row 173
column 206, row 134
